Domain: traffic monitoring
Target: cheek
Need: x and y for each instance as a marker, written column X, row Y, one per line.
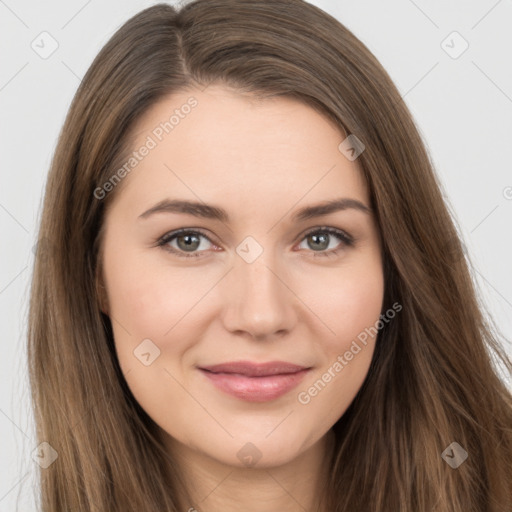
column 349, row 302
column 353, row 314
column 148, row 308
column 154, row 302
column 350, row 306
column 361, row 305
column 149, row 299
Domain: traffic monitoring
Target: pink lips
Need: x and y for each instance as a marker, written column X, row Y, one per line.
column 255, row 382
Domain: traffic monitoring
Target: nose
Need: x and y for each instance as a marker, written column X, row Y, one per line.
column 258, row 300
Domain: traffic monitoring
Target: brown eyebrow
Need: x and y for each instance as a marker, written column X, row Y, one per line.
column 214, row 212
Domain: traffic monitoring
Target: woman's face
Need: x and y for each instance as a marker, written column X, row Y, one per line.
column 254, row 278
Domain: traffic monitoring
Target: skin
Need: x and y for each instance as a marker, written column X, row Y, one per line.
column 261, row 160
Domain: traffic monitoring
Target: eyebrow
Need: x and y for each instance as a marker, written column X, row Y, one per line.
column 215, row 212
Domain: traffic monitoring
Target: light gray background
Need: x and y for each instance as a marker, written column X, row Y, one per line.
column 463, row 107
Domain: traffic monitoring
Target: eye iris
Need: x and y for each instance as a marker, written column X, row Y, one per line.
column 188, row 243
column 324, row 237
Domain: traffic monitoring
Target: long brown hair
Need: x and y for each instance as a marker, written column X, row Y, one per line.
column 434, row 377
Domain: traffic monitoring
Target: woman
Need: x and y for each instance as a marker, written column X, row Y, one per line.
column 256, row 370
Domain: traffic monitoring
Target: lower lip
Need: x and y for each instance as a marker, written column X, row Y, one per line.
column 255, row 389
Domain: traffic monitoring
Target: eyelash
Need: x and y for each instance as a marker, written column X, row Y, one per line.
column 346, row 240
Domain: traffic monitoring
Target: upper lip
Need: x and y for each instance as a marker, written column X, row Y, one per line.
column 250, row 369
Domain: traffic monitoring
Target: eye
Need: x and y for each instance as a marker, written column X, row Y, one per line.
column 188, row 241
column 321, row 238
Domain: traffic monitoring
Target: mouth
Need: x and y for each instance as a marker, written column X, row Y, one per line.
column 255, row 382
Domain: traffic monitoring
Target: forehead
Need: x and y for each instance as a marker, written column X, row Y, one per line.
column 229, row 147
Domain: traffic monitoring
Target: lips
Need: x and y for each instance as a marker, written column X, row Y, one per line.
column 255, row 382
column 249, row 369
